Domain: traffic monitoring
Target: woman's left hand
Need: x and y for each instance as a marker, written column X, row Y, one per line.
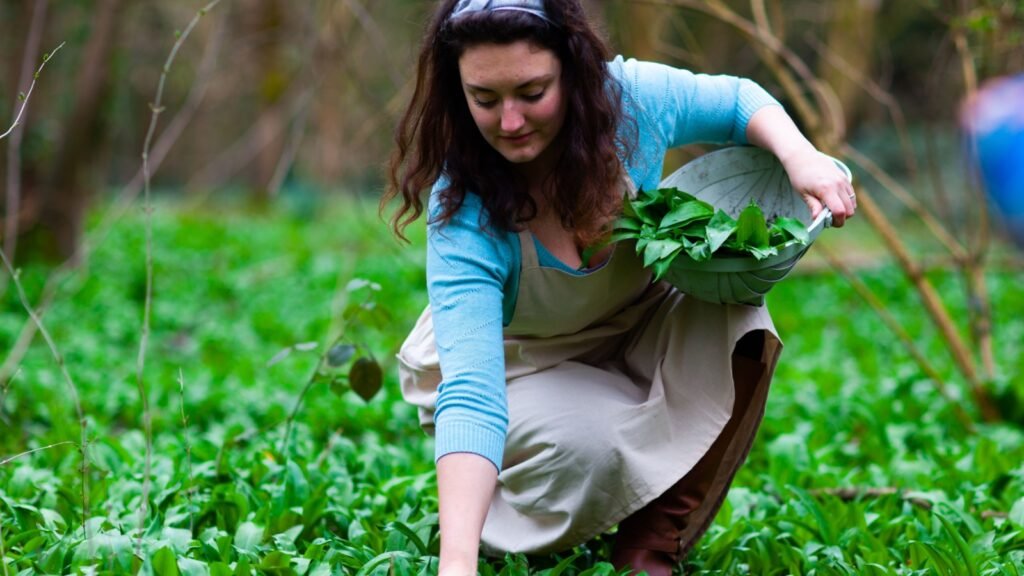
column 821, row 183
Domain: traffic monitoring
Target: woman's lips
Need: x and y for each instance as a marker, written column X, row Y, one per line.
column 517, row 139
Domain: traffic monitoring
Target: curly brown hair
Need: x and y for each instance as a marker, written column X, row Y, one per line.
column 438, row 137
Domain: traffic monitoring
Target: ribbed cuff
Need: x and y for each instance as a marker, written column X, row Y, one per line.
column 751, row 98
column 467, row 436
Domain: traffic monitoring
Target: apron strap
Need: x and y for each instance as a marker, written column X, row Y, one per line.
column 528, row 250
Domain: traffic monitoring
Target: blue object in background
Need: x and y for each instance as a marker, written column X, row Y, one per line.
column 994, row 120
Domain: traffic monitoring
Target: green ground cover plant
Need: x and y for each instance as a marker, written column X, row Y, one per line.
column 860, row 466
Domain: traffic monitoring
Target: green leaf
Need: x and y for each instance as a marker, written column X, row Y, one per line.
column 1017, row 513
column 751, row 229
column 692, row 211
column 248, row 537
column 627, row 224
column 661, row 249
column 164, row 563
column 793, row 228
column 699, row 251
column 718, row 230
column 366, row 378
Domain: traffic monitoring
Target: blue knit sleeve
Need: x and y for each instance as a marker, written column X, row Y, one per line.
column 467, row 270
column 687, row 107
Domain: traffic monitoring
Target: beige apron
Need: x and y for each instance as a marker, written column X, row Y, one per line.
column 616, row 387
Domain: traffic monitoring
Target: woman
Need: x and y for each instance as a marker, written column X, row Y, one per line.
column 568, row 396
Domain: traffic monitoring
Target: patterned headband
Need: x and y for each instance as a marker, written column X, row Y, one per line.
column 465, row 7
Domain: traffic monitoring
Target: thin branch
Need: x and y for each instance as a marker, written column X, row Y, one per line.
column 900, row 193
column 13, row 204
column 894, row 325
column 7, row 461
column 147, row 209
column 377, row 36
column 83, row 447
column 879, row 94
column 169, row 135
column 67, row 268
column 24, row 99
column 931, row 300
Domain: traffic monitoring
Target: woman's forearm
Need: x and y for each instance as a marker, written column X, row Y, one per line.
column 814, row 176
column 465, row 484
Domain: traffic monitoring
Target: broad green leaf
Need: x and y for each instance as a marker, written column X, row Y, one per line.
column 751, row 229
column 220, row 569
column 762, row 253
column 719, row 228
column 190, row 567
column 627, row 224
column 793, row 227
column 1017, row 513
column 699, row 251
column 164, row 563
column 686, row 213
column 248, row 537
column 660, row 249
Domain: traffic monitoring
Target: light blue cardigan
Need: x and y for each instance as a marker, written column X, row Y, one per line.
column 473, row 274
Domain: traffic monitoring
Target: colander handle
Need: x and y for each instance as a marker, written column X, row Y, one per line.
column 825, row 216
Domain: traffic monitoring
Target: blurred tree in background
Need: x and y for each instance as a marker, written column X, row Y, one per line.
column 268, row 94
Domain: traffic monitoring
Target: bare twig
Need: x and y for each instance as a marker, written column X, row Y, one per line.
column 931, row 300
column 879, row 94
column 24, row 100
column 83, row 447
column 188, row 451
column 256, row 138
column 7, row 461
column 169, row 135
column 900, row 193
column 67, row 269
column 147, row 208
column 851, row 493
column 897, row 328
column 377, row 36
column 13, row 204
column 977, row 288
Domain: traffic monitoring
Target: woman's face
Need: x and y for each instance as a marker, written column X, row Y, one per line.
column 514, row 92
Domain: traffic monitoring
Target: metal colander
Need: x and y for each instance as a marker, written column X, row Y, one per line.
column 729, row 179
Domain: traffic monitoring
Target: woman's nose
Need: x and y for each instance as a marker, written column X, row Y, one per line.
column 511, row 119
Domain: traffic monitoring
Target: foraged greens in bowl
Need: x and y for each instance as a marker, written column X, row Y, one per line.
column 668, row 222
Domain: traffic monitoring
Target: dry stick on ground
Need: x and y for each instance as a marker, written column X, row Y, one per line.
column 147, row 307
column 188, row 451
column 83, row 447
column 167, row 138
column 901, row 333
column 850, row 493
column 13, row 204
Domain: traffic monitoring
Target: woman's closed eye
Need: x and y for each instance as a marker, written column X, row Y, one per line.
column 535, row 97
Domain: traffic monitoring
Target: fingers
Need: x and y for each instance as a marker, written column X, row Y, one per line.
column 840, row 199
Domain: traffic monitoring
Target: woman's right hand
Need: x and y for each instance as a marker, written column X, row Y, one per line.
column 465, row 484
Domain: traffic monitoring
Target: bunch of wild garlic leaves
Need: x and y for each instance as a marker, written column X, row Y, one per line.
column 667, row 222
